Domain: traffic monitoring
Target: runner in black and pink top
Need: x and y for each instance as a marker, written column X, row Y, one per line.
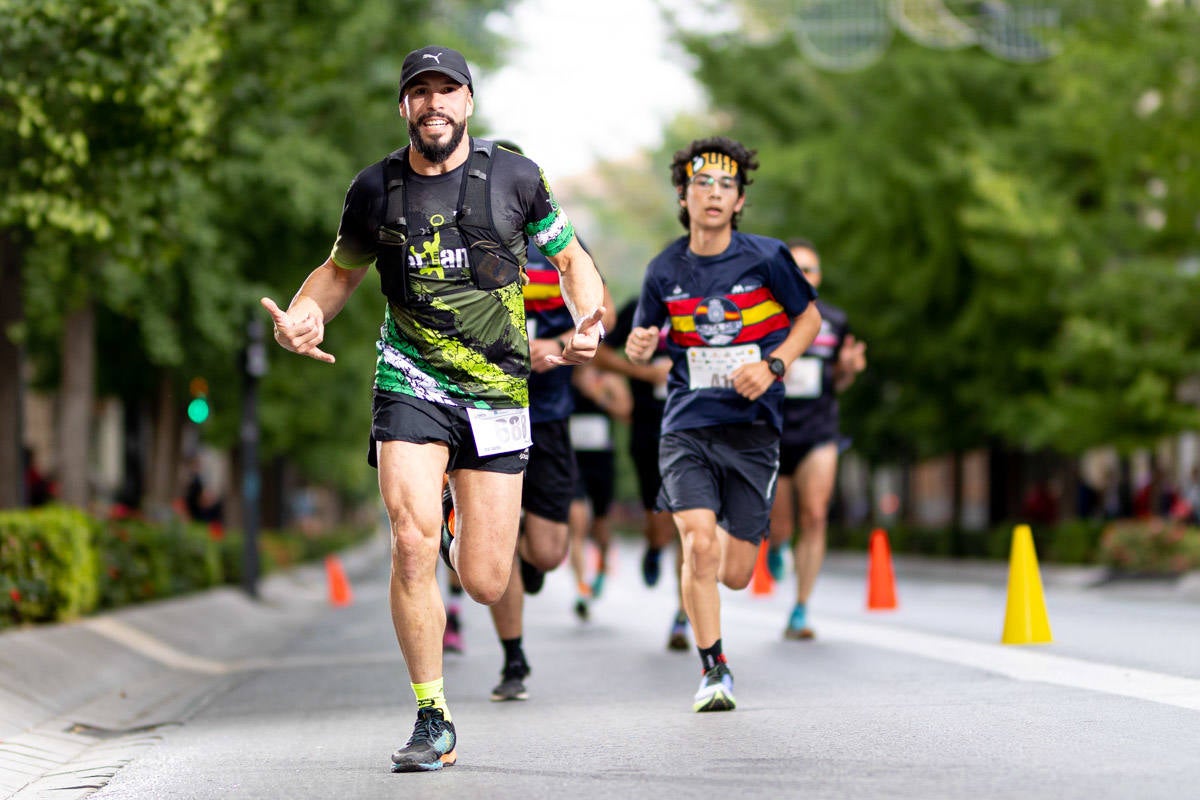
column 808, row 457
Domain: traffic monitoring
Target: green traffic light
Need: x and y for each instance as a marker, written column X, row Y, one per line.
column 197, row 410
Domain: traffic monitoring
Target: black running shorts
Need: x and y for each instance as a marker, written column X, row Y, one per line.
column 596, row 479
column 552, row 472
column 403, row 418
column 730, row 469
column 643, row 449
column 790, row 455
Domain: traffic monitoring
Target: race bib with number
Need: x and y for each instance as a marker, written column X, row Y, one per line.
column 803, row 378
column 710, row 367
column 590, row 432
column 499, row 430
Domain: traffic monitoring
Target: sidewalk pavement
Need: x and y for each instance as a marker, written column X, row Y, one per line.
column 120, row 677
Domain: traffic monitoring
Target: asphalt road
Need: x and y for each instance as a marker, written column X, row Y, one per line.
column 922, row 702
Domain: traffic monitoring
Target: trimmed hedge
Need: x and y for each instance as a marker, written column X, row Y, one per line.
column 1074, row 542
column 143, row 561
column 47, row 565
column 1151, row 546
column 58, row 563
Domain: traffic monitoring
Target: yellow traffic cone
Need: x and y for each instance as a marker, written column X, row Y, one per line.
column 1025, row 620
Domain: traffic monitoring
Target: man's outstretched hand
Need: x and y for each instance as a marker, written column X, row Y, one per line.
column 301, row 334
column 581, row 347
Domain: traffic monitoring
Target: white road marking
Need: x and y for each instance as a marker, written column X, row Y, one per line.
column 1024, row 664
column 155, row 649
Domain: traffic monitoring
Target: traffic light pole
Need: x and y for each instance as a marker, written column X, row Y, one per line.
column 254, row 366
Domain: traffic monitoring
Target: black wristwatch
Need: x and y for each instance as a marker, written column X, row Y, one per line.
column 777, row 367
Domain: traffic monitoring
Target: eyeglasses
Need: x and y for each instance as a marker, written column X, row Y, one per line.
column 704, row 181
column 810, row 270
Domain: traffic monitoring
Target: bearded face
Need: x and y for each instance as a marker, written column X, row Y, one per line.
column 431, row 143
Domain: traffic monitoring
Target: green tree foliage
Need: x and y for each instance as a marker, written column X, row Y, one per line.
column 170, row 161
column 1007, row 238
column 109, row 102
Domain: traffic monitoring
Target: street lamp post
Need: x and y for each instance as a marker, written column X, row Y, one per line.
column 254, row 366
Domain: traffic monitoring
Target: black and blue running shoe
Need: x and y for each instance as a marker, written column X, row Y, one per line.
column 431, row 745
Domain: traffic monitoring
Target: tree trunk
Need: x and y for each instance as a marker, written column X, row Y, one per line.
column 958, row 544
column 163, row 469
column 12, row 433
column 75, row 401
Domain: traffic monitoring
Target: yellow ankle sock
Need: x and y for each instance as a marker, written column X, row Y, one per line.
column 432, row 695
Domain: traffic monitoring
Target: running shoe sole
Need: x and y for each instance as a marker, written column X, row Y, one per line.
column 717, row 700
column 799, row 634
column 447, row 760
column 509, row 690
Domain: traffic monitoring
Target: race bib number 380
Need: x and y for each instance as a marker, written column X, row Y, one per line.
column 500, row 430
column 711, row 367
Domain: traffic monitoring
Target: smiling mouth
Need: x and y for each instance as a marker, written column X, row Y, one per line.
column 435, row 124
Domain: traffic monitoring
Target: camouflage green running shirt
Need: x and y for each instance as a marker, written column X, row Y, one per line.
column 454, row 343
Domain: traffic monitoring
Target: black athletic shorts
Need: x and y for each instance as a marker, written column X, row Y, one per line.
column 643, row 449
column 596, row 479
column 790, row 455
column 730, row 469
column 552, row 472
column 403, row 418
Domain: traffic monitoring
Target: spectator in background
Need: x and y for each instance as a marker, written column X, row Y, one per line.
column 201, row 498
column 1040, row 505
column 38, row 490
column 1188, row 501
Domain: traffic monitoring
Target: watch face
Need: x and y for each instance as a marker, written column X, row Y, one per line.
column 776, row 365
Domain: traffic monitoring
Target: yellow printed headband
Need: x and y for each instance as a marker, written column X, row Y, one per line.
column 714, row 160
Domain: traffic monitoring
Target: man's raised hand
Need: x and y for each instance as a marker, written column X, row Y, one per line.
column 299, row 334
column 581, row 347
column 641, row 344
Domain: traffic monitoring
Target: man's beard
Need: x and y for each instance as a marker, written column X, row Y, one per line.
column 436, row 153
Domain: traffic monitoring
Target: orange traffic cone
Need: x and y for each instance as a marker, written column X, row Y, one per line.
column 761, row 583
column 339, row 586
column 881, row 581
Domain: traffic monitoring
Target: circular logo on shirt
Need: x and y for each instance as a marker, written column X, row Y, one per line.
column 718, row 320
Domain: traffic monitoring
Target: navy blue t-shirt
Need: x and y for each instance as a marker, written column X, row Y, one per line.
column 546, row 316
column 724, row 310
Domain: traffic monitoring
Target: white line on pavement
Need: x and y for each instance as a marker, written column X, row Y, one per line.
column 1023, row 664
column 146, row 645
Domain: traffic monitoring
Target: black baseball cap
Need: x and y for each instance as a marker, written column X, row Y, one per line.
column 433, row 58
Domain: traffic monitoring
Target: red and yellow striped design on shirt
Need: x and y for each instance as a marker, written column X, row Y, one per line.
column 543, row 292
column 761, row 313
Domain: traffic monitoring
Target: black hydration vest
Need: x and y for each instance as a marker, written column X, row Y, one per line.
column 493, row 265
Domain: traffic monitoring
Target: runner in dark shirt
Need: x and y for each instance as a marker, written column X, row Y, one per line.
column 808, row 456
column 740, row 313
column 451, row 390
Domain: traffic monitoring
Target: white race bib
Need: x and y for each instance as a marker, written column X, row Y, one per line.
column 531, row 328
column 803, row 378
column 499, row 430
column 590, row 432
column 710, row 367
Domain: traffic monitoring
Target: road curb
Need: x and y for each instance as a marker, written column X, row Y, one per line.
column 48, row 670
